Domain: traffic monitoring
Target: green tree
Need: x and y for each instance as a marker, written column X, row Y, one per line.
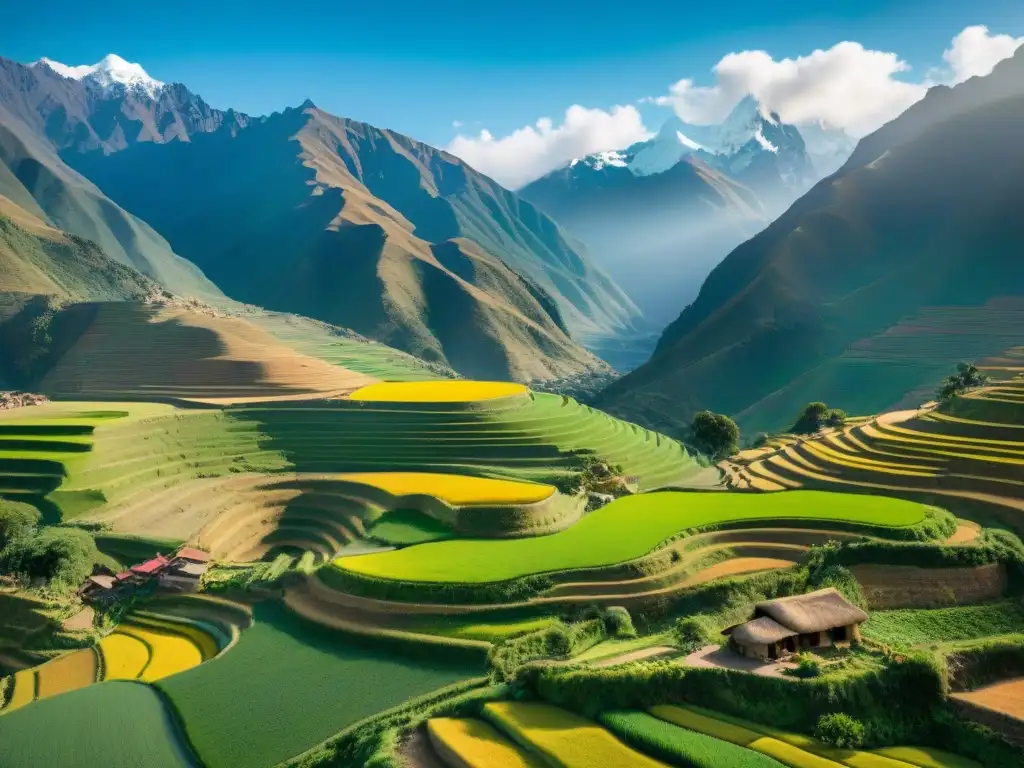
column 16, row 521
column 817, row 415
column 714, row 434
column 64, row 555
column 967, row 377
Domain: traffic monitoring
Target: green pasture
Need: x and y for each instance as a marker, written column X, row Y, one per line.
column 113, row 725
column 401, row 527
column 491, row 631
column 624, row 530
column 288, row 685
column 679, row 746
column 942, row 625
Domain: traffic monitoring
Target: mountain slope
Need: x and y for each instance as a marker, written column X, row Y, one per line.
column 34, row 177
column 36, row 259
column 660, row 215
column 659, row 235
column 926, row 213
column 334, row 219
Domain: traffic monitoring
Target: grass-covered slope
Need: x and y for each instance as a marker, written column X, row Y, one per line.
column 624, row 530
column 37, row 259
column 864, row 250
column 119, row 724
column 299, row 684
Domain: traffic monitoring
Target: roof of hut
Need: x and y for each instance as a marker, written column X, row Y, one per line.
column 763, row 631
column 813, row 612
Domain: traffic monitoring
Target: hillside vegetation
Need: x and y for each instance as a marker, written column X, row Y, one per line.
column 389, row 237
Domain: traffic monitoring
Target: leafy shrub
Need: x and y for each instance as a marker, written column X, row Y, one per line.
column 64, row 555
column 714, row 434
column 16, row 520
column 618, row 622
column 558, row 641
column 807, row 667
column 693, row 632
column 840, row 730
column 816, row 416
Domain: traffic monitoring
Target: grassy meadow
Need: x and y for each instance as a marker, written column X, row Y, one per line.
column 940, row 625
column 113, row 725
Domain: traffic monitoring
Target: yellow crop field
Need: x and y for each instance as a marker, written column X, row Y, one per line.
column 24, row 689
column 171, row 653
column 789, row 755
column 476, row 744
column 709, row 726
column 68, row 672
column 458, row 490
column 124, row 657
column 437, row 391
column 207, row 646
column 564, row 738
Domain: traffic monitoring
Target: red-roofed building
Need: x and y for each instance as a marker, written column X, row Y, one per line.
column 151, row 567
column 193, row 555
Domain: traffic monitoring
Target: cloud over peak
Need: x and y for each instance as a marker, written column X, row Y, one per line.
column 529, row 152
column 846, row 86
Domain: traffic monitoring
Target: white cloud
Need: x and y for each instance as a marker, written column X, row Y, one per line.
column 456, row 124
column 846, row 86
column 529, row 152
column 974, row 53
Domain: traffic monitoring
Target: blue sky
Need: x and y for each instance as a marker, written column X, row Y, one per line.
column 416, row 67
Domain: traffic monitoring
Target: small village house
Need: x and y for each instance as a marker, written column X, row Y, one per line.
column 790, row 624
column 185, row 570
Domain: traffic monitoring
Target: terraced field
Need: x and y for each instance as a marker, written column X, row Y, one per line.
column 138, row 351
column 147, row 646
column 87, row 456
column 613, row 534
column 534, row 734
column 300, row 683
column 968, row 456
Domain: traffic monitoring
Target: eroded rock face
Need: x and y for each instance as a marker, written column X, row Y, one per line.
column 9, row 400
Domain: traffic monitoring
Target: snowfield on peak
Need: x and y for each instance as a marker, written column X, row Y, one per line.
column 109, row 71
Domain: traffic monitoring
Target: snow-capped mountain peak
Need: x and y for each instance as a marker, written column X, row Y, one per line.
column 109, row 71
column 599, row 160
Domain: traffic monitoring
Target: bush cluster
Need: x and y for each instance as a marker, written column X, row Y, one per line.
column 817, row 416
column 840, row 730
column 558, row 641
column 61, row 557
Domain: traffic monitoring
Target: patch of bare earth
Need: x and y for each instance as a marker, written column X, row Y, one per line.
column 416, row 751
column 966, row 532
column 907, row 586
column 1006, row 697
column 723, row 658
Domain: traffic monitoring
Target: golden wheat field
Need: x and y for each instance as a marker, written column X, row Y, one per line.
column 124, row 656
column 564, row 738
column 437, row 391
column 475, row 744
column 171, row 652
column 458, row 490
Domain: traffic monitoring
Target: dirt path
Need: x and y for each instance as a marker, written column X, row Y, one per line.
column 81, row 621
column 416, row 751
column 966, row 533
column 716, row 656
column 643, row 654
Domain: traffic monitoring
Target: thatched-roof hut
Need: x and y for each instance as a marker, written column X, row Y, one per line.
column 788, row 624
